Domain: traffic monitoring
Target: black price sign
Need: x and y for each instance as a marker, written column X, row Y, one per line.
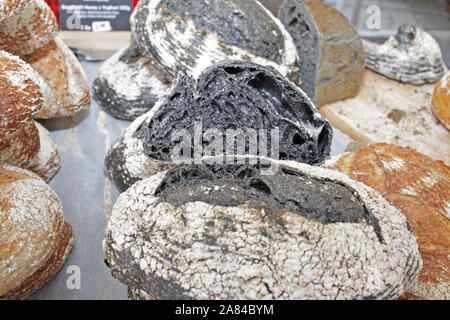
column 95, row 15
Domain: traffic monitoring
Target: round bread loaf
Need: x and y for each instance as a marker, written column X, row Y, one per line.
column 28, row 30
column 235, row 99
column 441, row 101
column 331, row 52
column 63, row 74
column 22, row 146
column 229, row 231
column 47, row 162
column 127, row 85
column 20, row 93
column 410, row 56
column 420, row 188
column 35, row 241
column 192, row 35
column 20, row 99
column 12, row 7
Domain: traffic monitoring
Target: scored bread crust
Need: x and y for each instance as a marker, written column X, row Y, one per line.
column 35, row 240
column 28, row 30
column 12, row 7
column 441, row 101
column 420, row 187
column 64, row 79
column 20, row 93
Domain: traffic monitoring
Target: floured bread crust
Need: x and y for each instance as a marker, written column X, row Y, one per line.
column 35, row 240
column 166, row 249
column 12, row 7
column 20, row 93
column 47, row 162
column 420, row 188
column 63, row 74
column 28, row 30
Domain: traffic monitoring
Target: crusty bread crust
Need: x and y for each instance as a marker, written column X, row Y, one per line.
column 441, row 101
column 12, row 7
column 47, row 162
column 35, row 240
column 28, row 30
column 420, row 187
column 20, row 93
column 63, row 74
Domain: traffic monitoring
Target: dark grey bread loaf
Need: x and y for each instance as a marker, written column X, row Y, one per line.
column 191, row 35
column 232, row 232
column 228, row 96
column 126, row 85
column 331, row 52
column 411, row 56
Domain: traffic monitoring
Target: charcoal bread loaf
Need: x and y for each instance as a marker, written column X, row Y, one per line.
column 239, row 96
column 35, row 241
column 29, row 29
column 420, row 187
column 410, row 56
column 68, row 89
column 127, row 85
column 331, row 53
column 192, row 35
column 228, row 231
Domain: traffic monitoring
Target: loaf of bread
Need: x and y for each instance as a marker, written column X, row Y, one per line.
column 127, row 85
column 441, row 101
column 68, row 90
column 12, row 7
column 20, row 99
column 330, row 50
column 193, row 35
column 245, row 97
column 47, row 162
column 420, row 188
column 35, row 241
column 32, row 28
column 232, row 232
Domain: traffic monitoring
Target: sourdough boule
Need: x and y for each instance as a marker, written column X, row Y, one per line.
column 231, row 232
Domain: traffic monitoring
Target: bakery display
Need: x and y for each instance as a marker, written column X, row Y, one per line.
column 20, row 99
column 227, row 96
column 231, row 232
column 410, row 56
column 35, row 241
column 24, row 31
column 420, row 188
column 440, row 104
column 64, row 80
column 331, row 52
column 191, row 36
column 126, row 85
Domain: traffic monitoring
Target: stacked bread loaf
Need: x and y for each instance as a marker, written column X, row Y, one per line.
column 39, row 78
